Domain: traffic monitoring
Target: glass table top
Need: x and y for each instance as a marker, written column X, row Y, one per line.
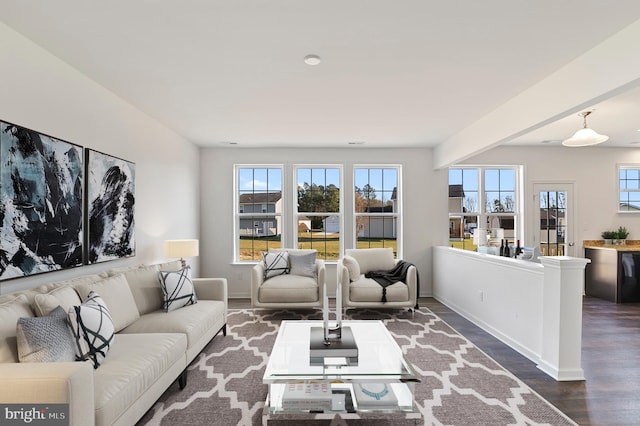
column 380, row 358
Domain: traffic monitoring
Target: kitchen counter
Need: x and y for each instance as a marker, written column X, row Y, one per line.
column 630, row 245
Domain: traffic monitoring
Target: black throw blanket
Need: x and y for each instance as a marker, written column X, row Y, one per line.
column 387, row 278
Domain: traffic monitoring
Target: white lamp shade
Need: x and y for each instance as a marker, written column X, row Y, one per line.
column 585, row 137
column 181, row 248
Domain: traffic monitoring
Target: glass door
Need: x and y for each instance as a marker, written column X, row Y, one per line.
column 553, row 219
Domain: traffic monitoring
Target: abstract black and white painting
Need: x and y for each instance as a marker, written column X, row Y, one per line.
column 110, row 207
column 41, row 196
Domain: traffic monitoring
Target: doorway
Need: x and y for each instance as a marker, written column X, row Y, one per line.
column 553, row 215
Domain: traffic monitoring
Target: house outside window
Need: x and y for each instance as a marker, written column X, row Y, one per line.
column 318, row 210
column 259, row 213
column 377, row 206
column 483, row 198
column 629, row 188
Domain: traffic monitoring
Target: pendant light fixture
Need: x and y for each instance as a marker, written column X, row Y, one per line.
column 585, row 136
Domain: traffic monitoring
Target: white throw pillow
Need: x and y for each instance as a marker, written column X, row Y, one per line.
column 276, row 263
column 177, row 288
column 92, row 329
column 352, row 266
column 373, row 259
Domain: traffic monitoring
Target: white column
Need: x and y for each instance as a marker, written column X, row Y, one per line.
column 561, row 354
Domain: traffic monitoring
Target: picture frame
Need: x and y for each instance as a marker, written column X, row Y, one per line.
column 110, row 208
column 41, row 202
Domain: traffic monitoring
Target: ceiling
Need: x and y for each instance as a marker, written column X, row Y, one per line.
column 393, row 73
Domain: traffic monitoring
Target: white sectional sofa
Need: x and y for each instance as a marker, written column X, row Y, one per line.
column 150, row 350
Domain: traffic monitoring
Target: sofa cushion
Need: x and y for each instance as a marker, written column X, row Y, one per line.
column 11, row 310
column 48, row 287
column 303, row 264
column 193, row 320
column 92, row 328
column 132, row 367
column 368, row 290
column 177, row 289
column 46, row 338
column 373, row 259
column 173, row 265
column 352, row 266
column 117, row 296
column 65, row 296
column 276, row 263
column 288, row 288
column 145, row 287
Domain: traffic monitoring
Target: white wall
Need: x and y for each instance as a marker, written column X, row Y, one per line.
column 425, row 211
column 502, row 296
column 45, row 94
column 593, row 171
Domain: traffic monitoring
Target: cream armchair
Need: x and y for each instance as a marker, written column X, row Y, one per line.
column 295, row 280
column 359, row 291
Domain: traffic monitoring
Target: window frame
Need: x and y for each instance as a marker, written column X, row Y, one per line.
column 397, row 215
column 238, row 215
column 296, row 214
column 483, row 214
column 620, row 167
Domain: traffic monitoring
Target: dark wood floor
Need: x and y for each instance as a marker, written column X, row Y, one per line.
column 609, row 396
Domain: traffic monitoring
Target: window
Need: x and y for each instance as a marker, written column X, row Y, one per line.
column 376, row 207
column 259, row 211
column 319, row 210
column 485, row 198
column 629, row 189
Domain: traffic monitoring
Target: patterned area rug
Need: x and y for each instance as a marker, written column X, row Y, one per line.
column 460, row 384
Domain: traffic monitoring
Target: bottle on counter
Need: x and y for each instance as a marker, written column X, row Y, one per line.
column 502, row 248
column 507, row 249
column 518, row 249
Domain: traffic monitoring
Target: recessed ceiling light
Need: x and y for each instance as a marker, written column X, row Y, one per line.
column 356, row 143
column 634, row 143
column 312, row 60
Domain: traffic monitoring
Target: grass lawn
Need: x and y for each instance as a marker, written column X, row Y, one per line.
column 466, row 244
column 328, row 246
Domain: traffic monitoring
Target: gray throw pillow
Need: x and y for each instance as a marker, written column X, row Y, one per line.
column 45, row 339
column 303, row 264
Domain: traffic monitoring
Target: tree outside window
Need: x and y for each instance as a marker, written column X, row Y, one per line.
column 318, row 210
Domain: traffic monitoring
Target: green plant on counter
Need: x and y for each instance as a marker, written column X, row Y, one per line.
column 621, row 233
column 609, row 235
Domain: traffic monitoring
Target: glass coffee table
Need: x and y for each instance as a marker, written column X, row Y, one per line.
column 380, row 385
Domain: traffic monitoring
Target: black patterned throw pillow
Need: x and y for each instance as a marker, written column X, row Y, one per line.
column 275, row 263
column 92, row 327
column 177, row 289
